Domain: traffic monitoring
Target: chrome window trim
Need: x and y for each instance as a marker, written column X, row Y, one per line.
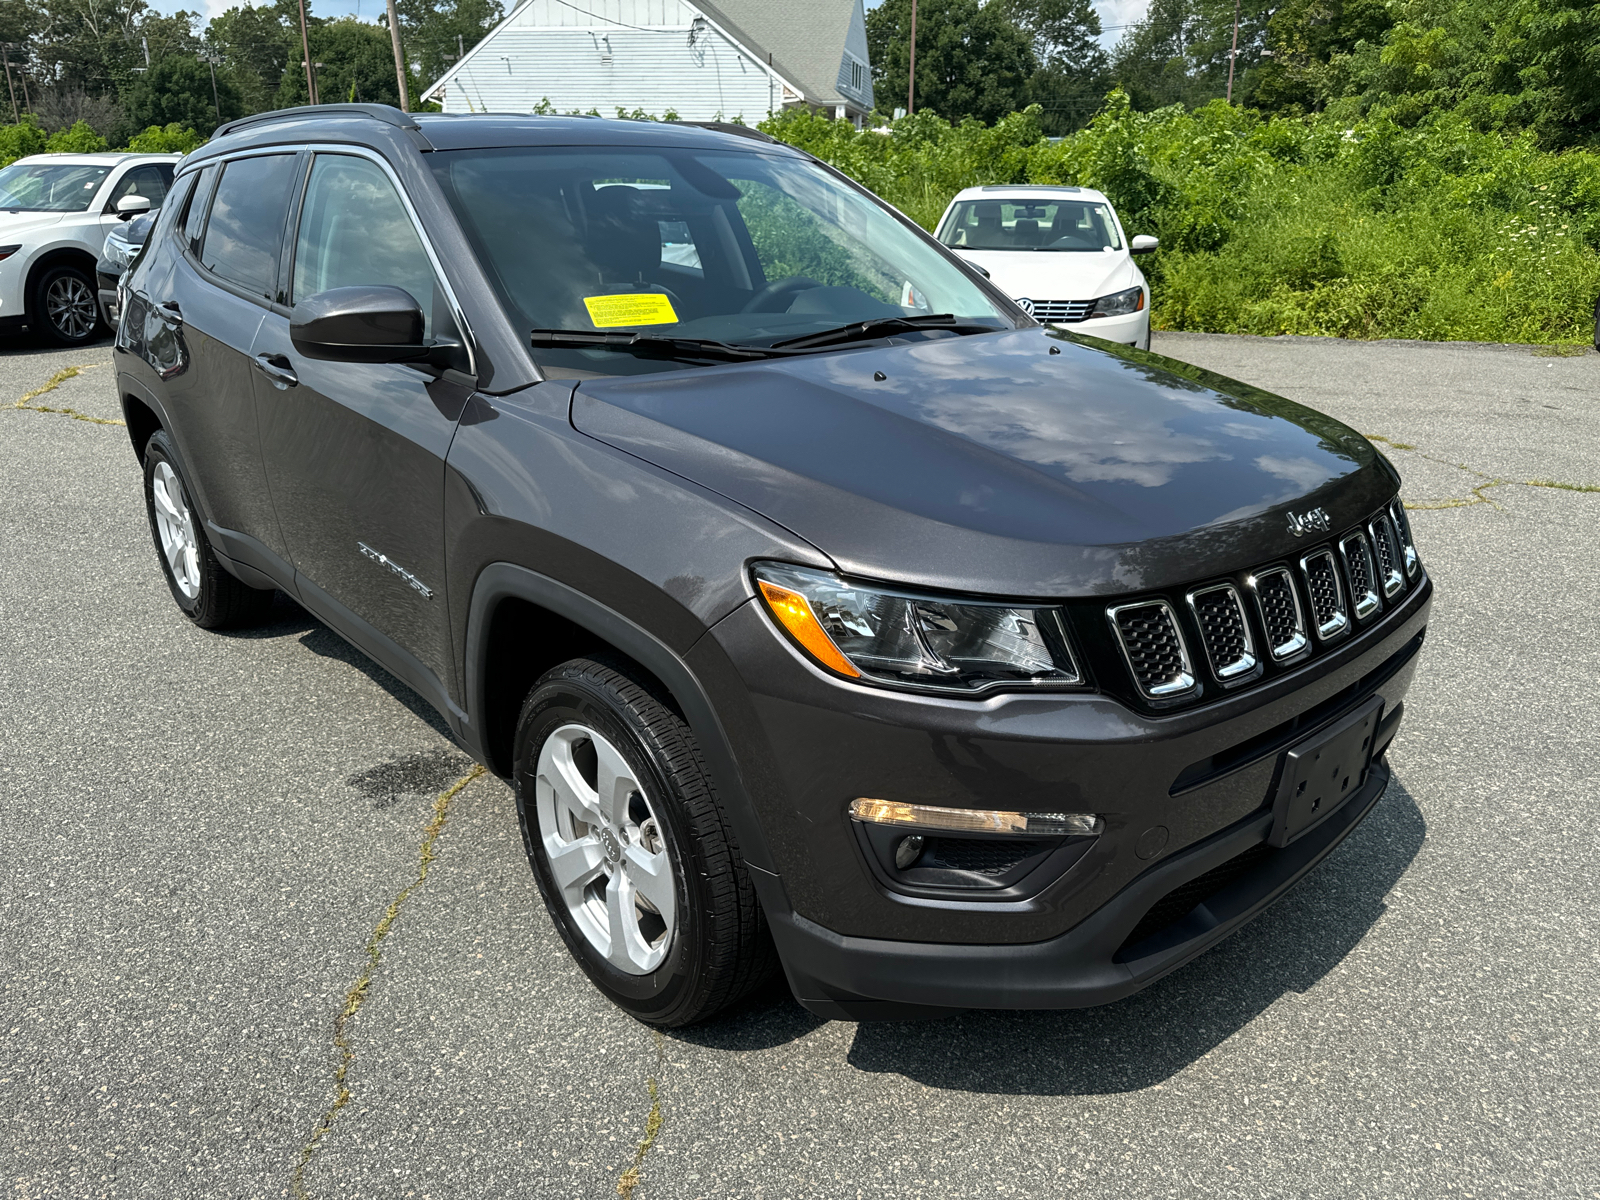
column 1408, row 547
column 318, row 148
column 1247, row 660
column 1302, row 638
column 1329, row 630
column 1382, row 525
column 1367, row 604
column 1186, row 682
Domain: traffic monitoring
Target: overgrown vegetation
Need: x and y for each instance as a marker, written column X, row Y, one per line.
column 1317, row 224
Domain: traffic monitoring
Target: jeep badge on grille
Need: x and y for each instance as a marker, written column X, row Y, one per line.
column 1312, row 518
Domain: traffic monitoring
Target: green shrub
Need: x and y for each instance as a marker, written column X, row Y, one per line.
column 173, row 139
column 21, row 140
column 1331, row 224
column 80, row 139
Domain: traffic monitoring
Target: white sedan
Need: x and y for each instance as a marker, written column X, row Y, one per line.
column 1060, row 253
column 55, row 213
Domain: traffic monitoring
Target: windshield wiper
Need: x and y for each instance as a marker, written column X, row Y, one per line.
column 649, row 345
column 864, row 331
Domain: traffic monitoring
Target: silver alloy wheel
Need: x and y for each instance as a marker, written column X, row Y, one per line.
column 71, row 306
column 175, row 527
column 606, row 849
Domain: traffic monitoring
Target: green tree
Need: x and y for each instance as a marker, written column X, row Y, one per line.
column 434, row 32
column 256, row 43
column 1180, row 53
column 972, row 59
column 1074, row 72
column 1310, row 40
column 357, row 66
column 177, row 90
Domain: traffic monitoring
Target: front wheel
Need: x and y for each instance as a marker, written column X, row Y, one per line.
column 66, row 306
column 632, row 853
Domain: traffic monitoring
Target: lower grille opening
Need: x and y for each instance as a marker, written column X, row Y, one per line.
column 1183, row 899
column 979, row 856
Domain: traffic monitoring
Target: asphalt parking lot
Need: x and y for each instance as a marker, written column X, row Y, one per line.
column 203, row 833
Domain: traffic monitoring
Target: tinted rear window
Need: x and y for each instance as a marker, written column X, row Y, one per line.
column 246, row 224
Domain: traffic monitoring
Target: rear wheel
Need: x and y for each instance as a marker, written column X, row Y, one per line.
column 630, row 848
column 202, row 587
column 66, row 306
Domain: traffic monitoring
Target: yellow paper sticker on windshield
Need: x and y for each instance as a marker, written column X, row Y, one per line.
column 641, row 308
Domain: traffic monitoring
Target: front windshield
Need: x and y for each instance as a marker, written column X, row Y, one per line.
column 733, row 246
column 49, row 187
column 1031, row 225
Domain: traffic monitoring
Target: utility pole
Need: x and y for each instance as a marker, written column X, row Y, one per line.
column 911, row 85
column 1231, row 56
column 11, row 87
column 145, row 42
column 399, row 59
column 212, row 58
column 305, row 44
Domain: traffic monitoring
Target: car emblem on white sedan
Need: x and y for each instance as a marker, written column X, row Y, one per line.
column 1312, row 518
column 1026, row 305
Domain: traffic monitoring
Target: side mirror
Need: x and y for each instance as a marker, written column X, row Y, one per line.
column 131, row 206
column 368, row 324
column 1143, row 244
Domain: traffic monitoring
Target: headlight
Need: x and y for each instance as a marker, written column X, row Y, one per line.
column 883, row 636
column 116, row 251
column 1119, row 304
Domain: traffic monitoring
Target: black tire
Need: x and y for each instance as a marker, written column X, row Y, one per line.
column 65, row 306
column 721, row 949
column 220, row 601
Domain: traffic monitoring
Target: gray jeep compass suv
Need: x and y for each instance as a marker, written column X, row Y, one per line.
column 825, row 611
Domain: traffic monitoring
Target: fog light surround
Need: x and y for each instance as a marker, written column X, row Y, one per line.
column 976, row 820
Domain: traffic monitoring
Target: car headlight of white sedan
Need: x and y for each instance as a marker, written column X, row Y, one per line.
column 1118, row 304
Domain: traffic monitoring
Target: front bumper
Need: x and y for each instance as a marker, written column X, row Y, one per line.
column 854, row 946
column 1130, row 330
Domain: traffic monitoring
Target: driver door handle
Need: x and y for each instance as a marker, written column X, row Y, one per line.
column 169, row 308
column 276, row 368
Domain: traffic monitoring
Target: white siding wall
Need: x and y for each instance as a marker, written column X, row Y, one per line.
column 549, row 51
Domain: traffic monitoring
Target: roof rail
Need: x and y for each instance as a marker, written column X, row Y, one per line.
column 386, row 113
column 729, row 127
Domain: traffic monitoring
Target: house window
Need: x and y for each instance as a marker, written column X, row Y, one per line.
column 857, row 75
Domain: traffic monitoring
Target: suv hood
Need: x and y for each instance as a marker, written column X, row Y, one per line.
column 991, row 464
column 1055, row 275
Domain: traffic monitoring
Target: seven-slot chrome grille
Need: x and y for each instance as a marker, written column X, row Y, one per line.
column 1284, row 608
column 1063, row 311
column 1153, row 646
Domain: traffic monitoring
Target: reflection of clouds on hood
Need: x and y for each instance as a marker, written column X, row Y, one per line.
column 1089, row 442
column 1303, row 476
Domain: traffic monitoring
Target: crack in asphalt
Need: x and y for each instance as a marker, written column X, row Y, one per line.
column 1477, row 493
column 631, row 1178
column 343, row 1050
column 51, row 385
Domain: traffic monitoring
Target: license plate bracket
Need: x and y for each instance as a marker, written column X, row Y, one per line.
column 1322, row 772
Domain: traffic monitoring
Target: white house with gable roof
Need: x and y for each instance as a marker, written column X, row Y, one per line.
column 704, row 61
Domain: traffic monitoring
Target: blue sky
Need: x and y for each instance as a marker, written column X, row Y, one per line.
column 1113, row 13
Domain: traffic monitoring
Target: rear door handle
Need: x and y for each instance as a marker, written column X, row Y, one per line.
column 170, row 308
column 276, row 368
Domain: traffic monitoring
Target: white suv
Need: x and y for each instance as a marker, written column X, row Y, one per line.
column 55, row 212
column 1059, row 252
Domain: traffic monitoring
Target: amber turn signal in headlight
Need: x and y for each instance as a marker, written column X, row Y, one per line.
column 976, row 820
column 794, row 611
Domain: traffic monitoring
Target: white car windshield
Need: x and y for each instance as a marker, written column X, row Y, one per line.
column 49, row 187
column 1031, row 225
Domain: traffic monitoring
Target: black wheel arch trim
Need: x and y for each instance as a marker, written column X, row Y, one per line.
column 506, row 581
